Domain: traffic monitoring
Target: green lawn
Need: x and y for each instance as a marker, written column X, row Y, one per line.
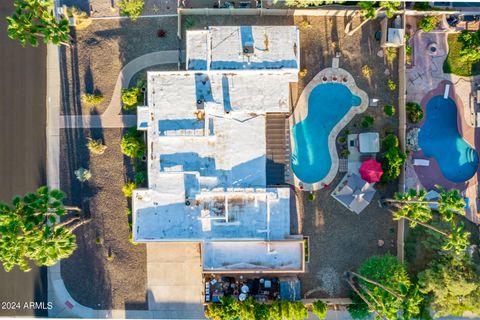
column 453, row 63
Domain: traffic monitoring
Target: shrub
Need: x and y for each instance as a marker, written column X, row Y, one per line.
column 428, row 23
column 391, row 53
column 130, row 97
column 83, row 174
column 128, row 188
column 470, row 41
column 390, row 141
column 92, row 99
column 140, row 177
column 96, row 146
column 319, row 308
column 161, row 33
column 421, row 6
column 312, row 196
column 131, row 8
column 367, row 121
column 408, row 50
column 132, row 144
column 98, row 241
column 344, row 153
column 389, row 110
column 393, row 159
column 342, row 139
column 367, row 72
column 414, row 112
column 392, row 86
column 82, row 20
column 189, row 23
column 303, row 73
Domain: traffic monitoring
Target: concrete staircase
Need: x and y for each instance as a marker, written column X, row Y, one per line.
column 278, row 148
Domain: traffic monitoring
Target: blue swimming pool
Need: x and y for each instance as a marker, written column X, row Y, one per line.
column 439, row 138
column 328, row 103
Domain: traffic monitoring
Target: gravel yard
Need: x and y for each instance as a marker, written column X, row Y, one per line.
column 341, row 240
column 89, row 276
column 102, row 50
column 109, row 8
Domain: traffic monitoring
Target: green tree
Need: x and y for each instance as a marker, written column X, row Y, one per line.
column 131, row 8
column 288, row 310
column 453, row 286
column 413, row 207
column 470, row 50
column 319, row 308
column 29, row 230
column 384, row 287
column 227, row 309
column 393, row 158
column 370, row 10
column 390, row 141
column 132, row 144
column 428, row 23
column 33, row 20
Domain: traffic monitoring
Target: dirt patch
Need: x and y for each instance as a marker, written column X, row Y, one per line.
column 340, row 240
column 90, row 276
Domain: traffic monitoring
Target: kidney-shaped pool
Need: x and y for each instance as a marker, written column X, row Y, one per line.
column 439, row 138
column 328, row 103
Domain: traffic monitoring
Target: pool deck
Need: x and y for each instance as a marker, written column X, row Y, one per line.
column 327, row 75
column 431, row 175
column 425, row 80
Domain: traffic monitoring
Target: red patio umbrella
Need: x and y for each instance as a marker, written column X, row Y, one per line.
column 371, row 171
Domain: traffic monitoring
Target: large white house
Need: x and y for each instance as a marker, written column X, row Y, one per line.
column 206, row 144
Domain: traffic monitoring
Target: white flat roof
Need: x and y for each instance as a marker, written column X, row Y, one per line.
column 253, row 256
column 206, row 148
column 255, row 214
column 239, row 92
column 224, row 48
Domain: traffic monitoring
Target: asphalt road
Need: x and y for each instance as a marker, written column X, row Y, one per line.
column 22, row 153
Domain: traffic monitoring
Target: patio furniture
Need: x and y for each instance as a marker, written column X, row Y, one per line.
column 371, row 171
column 447, row 91
column 356, row 194
column 421, row 162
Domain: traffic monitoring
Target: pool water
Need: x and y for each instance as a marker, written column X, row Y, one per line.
column 439, row 138
column 328, row 103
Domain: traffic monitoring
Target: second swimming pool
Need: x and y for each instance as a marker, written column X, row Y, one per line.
column 439, row 138
column 328, row 103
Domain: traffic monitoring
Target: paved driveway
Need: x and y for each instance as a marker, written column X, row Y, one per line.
column 175, row 287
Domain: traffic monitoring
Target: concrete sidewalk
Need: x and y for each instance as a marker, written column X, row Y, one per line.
column 112, row 117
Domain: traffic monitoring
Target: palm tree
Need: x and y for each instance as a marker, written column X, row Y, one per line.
column 29, row 230
column 450, row 203
column 413, row 207
column 34, row 19
column 369, row 11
